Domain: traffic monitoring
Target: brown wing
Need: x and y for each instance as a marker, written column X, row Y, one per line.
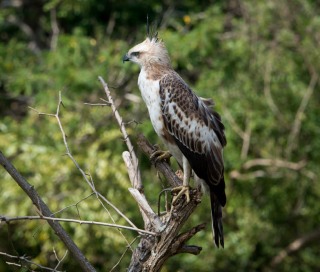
column 196, row 128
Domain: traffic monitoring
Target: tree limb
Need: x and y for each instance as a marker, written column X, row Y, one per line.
column 45, row 211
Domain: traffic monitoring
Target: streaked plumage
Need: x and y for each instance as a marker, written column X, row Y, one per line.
column 186, row 123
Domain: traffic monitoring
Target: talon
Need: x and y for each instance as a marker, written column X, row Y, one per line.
column 183, row 190
column 160, row 155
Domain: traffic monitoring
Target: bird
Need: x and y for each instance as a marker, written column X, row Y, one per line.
column 186, row 123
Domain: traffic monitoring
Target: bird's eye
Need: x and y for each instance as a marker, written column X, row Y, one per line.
column 135, row 54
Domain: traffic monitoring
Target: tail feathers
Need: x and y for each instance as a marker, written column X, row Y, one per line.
column 216, row 214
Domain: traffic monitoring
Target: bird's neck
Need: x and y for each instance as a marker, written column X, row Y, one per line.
column 155, row 71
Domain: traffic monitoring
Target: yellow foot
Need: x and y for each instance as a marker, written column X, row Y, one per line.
column 160, row 155
column 182, row 190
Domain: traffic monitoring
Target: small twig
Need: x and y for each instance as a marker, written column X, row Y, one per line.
column 60, row 260
column 98, row 104
column 81, row 222
column 74, row 205
column 27, row 261
column 121, row 257
column 14, row 264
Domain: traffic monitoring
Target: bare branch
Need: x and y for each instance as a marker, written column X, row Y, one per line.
column 137, row 181
column 98, row 104
column 132, row 171
column 129, row 246
column 81, row 222
column 45, row 211
column 184, row 237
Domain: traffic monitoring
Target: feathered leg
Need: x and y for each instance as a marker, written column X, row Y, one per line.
column 216, row 214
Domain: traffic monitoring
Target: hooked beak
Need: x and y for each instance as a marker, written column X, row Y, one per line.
column 125, row 58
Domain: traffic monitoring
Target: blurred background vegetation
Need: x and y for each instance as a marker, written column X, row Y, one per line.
column 259, row 61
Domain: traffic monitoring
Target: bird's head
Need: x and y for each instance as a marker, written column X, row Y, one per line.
column 150, row 52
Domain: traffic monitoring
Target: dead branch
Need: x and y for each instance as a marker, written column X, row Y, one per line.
column 81, row 222
column 169, row 242
column 45, row 211
column 137, row 181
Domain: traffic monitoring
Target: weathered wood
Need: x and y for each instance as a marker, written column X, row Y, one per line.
column 152, row 252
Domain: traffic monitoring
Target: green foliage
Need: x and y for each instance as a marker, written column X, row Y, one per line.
column 257, row 60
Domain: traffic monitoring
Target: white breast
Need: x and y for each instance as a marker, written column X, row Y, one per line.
column 150, row 94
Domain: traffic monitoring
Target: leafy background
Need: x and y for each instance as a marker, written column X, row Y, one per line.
column 260, row 62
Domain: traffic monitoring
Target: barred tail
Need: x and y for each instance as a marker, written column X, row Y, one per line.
column 216, row 214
